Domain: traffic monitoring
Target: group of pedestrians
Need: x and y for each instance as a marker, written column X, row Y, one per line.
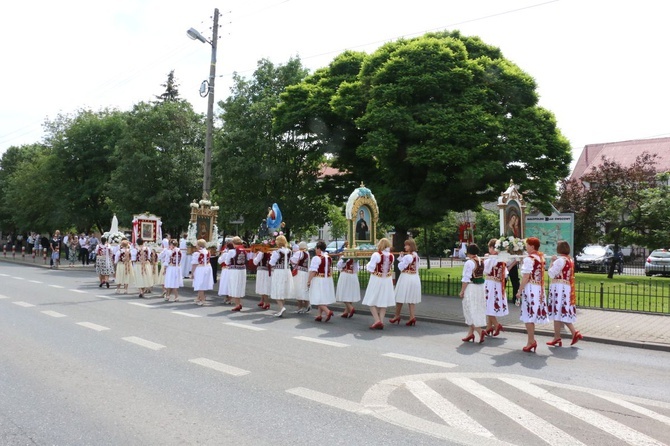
column 484, row 299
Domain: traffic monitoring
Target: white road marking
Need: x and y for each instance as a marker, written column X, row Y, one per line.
column 445, row 409
column 106, row 297
column 182, row 313
column 591, row 417
column 245, row 326
column 639, row 409
column 143, row 343
column 526, row 419
column 23, row 304
column 141, row 305
column 4, row 275
column 329, row 400
column 53, row 313
column 320, row 341
column 56, row 286
column 219, row 367
column 78, row 291
column 34, row 281
column 92, row 326
column 4, row 297
column 420, row 360
column 17, row 277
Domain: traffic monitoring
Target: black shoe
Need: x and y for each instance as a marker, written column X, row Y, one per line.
column 107, row 283
column 101, row 284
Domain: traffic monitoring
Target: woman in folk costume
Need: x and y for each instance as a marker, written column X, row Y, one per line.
column 300, row 261
column 531, row 291
column 348, row 287
column 320, row 282
column 201, row 271
column 124, row 268
column 104, row 265
column 495, row 273
column 562, row 294
column 224, row 280
column 282, row 280
column 263, row 275
column 155, row 273
column 473, row 294
column 163, row 259
column 408, row 288
column 173, row 275
column 144, row 275
column 236, row 259
column 379, row 293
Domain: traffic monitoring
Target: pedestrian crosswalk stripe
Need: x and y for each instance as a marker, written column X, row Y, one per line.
column 420, row 360
column 445, row 409
column 528, row 420
column 635, row 408
column 591, row 417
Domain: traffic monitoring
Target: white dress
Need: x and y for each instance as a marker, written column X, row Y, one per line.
column 533, row 301
column 300, row 279
column 263, row 276
column 159, row 273
column 203, row 277
column 144, row 275
column 348, row 287
column 173, row 276
column 474, row 299
column 560, row 305
column 322, row 287
column 379, row 292
column 408, row 287
column 237, row 272
column 223, row 277
column 186, row 258
column 495, row 272
column 124, row 268
column 282, row 281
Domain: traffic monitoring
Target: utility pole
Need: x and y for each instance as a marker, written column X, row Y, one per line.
column 207, row 167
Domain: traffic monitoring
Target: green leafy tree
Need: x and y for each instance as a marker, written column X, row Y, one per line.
column 158, row 164
column 655, row 209
column 442, row 123
column 257, row 164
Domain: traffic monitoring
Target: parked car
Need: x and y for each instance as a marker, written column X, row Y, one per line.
column 598, row 258
column 658, row 262
column 334, row 246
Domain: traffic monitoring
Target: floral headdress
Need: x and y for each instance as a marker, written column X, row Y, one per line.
column 510, row 244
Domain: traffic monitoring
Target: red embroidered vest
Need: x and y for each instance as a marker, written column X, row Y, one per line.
column 348, row 266
column 324, row 267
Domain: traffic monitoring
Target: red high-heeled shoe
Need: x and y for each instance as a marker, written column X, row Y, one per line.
column 377, row 326
column 576, row 338
column 395, row 320
column 237, row 308
column 482, row 336
column 499, row 328
column 351, row 313
column 329, row 315
column 318, row 318
column 468, row 338
column 411, row 322
column 266, row 306
column 532, row 347
column 345, row 314
column 556, row 343
column 261, row 304
column 488, row 331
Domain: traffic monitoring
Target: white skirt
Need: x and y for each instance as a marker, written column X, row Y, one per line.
column 348, row 288
column 408, row 289
column 144, row 277
column 223, row 282
column 300, row 288
column 263, row 282
column 185, row 263
column 282, row 284
column 379, row 292
column 173, row 277
column 125, row 275
column 496, row 302
column 533, row 305
column 559, row 306
column 203, row 278
column 474, row 304
column 322, row 291
column 237, row 282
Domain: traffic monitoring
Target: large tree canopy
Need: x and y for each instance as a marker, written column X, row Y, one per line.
column 437, row 123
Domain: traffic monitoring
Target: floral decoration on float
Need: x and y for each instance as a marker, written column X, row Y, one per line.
column 510, row 246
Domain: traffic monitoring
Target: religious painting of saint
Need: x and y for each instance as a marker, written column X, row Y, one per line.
column 204, row 228
column 363, row 224
column 513, row 219
column 147, row 232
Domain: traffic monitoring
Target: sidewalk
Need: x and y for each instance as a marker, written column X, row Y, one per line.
column 640, row 330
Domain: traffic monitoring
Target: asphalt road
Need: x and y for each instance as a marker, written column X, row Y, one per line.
column 81, row 365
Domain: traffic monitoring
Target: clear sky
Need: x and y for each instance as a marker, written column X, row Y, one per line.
column 600, row 65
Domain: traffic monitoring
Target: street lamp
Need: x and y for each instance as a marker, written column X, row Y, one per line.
column 208, row 90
